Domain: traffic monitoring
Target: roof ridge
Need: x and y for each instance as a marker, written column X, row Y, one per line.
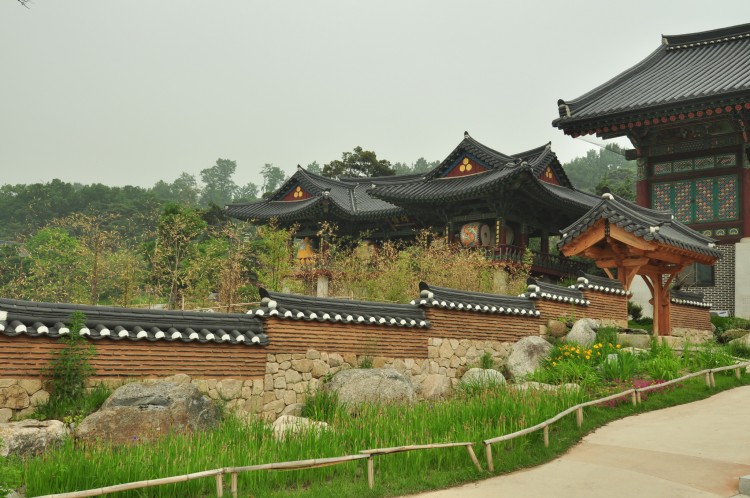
column 717, row 35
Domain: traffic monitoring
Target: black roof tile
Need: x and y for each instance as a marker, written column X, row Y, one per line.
column 49, row 319
column 642, row 222
column 686, row 72
column 299, row 307
column 551, row 292
column 441, row 297
column 678, row 296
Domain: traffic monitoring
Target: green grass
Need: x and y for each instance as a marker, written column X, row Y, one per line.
column 72, row 410
column 472, row 416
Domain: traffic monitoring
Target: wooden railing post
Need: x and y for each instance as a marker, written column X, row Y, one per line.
column 546, row 436
column 488, row 454
column 473, row 457
column 737, row 373
column 634, row 398
column 370, row 472
column 220, row 485
column 234, row 484
column 579, row 416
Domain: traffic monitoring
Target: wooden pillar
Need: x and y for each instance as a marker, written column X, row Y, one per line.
column 524, row 236
column 545, row 241
column 642, row 194
column 745, row 197
column 502, row 236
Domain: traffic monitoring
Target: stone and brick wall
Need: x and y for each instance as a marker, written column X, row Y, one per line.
column 721, row 294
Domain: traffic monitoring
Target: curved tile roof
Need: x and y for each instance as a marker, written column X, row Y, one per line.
column 599, row 284
column 642, row 222
column 346, row 199
column 551, row 292
column 685, row 298
column 299, row 307
column 37, row 319
column 441, row 297
column 685, row 73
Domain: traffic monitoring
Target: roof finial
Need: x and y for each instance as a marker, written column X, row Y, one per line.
column 466, row 134
column 299, row 167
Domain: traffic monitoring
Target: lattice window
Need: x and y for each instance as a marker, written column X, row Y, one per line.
column 702, row 200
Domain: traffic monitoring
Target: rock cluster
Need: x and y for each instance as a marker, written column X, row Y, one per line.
column 30, row 437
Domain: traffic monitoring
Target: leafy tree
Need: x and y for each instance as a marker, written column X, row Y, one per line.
column 56, row 269
column 219, row 187
column 273, row 177
column 603, row 167
column 184, row 190
column 246, row 193
column 421, row 165
column 358, row 163
column 314, row 168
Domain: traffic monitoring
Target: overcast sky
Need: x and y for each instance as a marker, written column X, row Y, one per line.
column 132, row 92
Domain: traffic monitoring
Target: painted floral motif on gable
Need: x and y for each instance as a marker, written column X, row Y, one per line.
column 465, row 167
column 296, row 194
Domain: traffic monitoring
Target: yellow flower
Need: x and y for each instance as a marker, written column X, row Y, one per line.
column 618, row 346
column 554, row 363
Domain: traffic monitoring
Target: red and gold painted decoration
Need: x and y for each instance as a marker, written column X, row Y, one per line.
column 549, row 176
column 476, row 234
column 296, row 194
column 465, row 167
column 671, row 118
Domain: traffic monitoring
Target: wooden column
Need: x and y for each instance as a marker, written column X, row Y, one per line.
column 745, row 197
column 524, row 242
column 642, row 194
column 545, row 241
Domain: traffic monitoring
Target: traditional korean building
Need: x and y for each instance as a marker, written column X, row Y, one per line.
column 477, row 196
column 686, row 110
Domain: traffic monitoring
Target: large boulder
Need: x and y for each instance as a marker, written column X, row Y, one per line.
column 371, row 385
column 30, row 437
column 482, row 377
column 527, row 355
column 436, row 386
column 556, row 328
column 583, row 332
column 289, row 424
column 143, row 411
column 732, row 334
column 742, row 341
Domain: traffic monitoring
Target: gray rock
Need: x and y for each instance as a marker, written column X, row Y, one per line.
column 143, row 411
column 482, row 377
column 436, row 386
column 371, row 385
column 556, row 328
column 527, row 355
column 295, row 410
column 742, row 341
column 582, row 333
column 30, row 437
column 286, row 425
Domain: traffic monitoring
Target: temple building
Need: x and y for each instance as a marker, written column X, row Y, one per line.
column 478, row 197
column 686, row 110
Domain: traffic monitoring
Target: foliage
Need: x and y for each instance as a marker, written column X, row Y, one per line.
column 662, row 363
column 183, row 190
column 321, row 405
column 421, row 165
column 273, row 247
column 365, row 361
column 218, row 188
column 273, row 178
column 635, row 310
column 10, row 474
column 69, row 370
column 360, row 162
column 723, row 323
column 602, row 168
column 486, row 361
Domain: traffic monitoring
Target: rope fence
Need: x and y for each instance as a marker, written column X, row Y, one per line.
column 233, row 472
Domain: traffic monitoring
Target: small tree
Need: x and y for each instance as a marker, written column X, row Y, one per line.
column 70, row 367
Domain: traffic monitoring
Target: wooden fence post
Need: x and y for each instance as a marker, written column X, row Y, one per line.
column 713, row 380
column 708, row 379
column 488, row 454
column 473, row 457
column 546, row 436
column 370, row 472
column 220, row 485
column 634, row 398
column 737, row 373
column 579, row 416
column 234, row 484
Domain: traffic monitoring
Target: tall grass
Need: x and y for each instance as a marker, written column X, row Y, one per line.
column 489, row 413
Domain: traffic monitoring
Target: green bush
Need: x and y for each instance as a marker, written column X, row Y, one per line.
column 724, row 323
column 486, row 361
column 635, row 310
column 10, row 474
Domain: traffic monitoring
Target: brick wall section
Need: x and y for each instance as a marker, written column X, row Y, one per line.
column 721, row 295
column 552, row 310
column 26, row 356
column 481, row 326
column 297, row 336
column 605, row 306
column 689, row 317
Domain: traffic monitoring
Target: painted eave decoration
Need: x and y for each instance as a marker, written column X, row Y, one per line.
column 464, row 167
column 453, row 299
column 299, row 307
column 297, row 193
column 35, row 319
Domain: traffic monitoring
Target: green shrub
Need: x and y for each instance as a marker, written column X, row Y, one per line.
column 662, row 364
column 624, row 368
column 365, row 361
column 67, row 375
column 10, row 474
column 732, row 334
column 635, row 310
column 723, row 323
column 322, row 405
column 486, row 361
column 739, row 350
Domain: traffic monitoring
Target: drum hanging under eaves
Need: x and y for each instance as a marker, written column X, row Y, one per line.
column 476, row 234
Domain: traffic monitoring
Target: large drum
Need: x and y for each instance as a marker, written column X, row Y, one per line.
column 476, row 234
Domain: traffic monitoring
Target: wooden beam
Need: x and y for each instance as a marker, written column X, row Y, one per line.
column 631, row 240
column 609, row 273
column 590, row 237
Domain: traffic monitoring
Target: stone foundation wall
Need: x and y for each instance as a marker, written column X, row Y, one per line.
column 18, row 397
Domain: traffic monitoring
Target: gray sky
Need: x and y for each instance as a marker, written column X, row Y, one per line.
column 132, row 92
